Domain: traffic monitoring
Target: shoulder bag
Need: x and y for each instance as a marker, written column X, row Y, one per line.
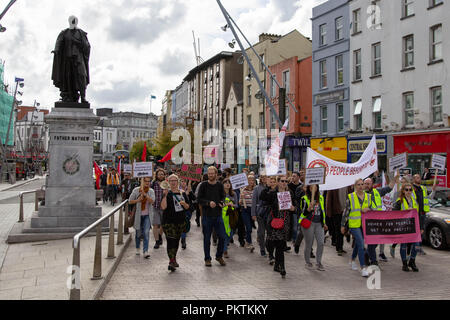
column 277, row 223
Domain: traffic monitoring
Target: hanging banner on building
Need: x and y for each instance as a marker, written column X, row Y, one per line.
column 272, row 158
column 438, row 162
column 381, row 227
column 314, row 176
column 398, row 162
column 239, row 181
column 284, row 200
column 339, row 174
column 191, row 172
column 142, row 169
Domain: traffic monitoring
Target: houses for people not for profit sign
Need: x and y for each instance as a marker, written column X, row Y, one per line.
column 398, row 162
column 315, row 176
column 382, row 227
column 438, row 162
column 239, row 181
column 142, row 169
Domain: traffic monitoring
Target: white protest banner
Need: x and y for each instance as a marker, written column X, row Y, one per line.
column 282, row 167
column 142, row 169
column 339, row 174
column 398, row 162
column 127, row 168
column 284, row 200
column 239, row 181
column 315, row 176
column 273, row 155
column 438, row 162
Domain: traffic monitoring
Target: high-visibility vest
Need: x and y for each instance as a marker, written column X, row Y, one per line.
column 376, row 202
column 226, row 218
column 355, row 209
column 305, row 198
column 405, row 205
column 426, row 202
column 113, row 179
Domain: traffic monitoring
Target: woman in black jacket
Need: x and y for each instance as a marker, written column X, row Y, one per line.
column 277, row 237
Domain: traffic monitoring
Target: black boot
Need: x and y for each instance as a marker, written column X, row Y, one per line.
column 160, row 240
column 412, row 265
column 282, row 271
column 276, row 267
column 183, row 244
column 405, row 266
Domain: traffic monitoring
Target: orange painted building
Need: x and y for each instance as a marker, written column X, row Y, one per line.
column 296, row 77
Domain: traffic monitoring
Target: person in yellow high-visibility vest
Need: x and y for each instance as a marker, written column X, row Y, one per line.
column 406, row 201
column 113, row 183
column 357, row 203
column 420, row 194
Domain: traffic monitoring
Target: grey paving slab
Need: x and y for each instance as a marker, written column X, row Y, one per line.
column 249, row 276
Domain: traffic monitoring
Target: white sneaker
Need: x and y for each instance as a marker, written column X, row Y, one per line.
column 364, row 272
column 138, row 251
column 354, row 265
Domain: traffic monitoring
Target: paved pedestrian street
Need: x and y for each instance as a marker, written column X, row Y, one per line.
column 249, row 276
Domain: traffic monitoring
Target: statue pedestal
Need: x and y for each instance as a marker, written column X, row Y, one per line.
column 70, row 192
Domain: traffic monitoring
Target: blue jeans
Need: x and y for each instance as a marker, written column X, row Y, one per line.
column 372, row 252
column 359, row 245
column 247, row 217
column 294, row 227
column 144, row 230
column 227, row 240
column 208, row 224
column 403, row 247
column 189, row 215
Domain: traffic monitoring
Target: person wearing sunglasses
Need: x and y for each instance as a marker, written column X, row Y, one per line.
column 357, row 203
column 313, row 210
column 406, row 201
column 174, row 205
column 276, row 238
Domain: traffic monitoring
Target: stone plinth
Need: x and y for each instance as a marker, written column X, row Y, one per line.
column 70, row 192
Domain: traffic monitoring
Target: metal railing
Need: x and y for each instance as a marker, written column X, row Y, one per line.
column 39, row 194
column 75, row 290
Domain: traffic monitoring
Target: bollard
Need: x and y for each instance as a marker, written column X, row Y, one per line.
column 21, row 207
column 75, row 288
column 120, row 227
column 111, row 239
column 97, row 273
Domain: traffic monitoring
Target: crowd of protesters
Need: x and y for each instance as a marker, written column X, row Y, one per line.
column 167, row 204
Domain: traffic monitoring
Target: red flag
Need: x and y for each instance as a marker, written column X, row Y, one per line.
column 98, row 173
column 167, row 157
column 144, row 152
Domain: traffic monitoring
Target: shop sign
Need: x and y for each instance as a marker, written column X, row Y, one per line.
column 329, row 97
column 333, row 148
column 359, row 145
column 298, row 142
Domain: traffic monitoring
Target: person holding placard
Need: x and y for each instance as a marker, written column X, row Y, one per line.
column 187, row 188
column 420, row 194
column 279, row 225
column 358, row 202
column 406, row 201
column 174, row 205
column 246, row 210
column 260, row 211
column 143, row 197
column 229, row 213
column 160, row 176
column 313, row 225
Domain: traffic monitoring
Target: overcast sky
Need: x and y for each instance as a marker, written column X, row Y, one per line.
column 138, row 47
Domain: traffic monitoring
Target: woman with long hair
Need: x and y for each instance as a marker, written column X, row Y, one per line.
column 406, row 202
column 174, row 205
column 143, row 197
column 187, row 188
column 277, row 237
column 246, row 205
column 313, row 210
column 229, row 213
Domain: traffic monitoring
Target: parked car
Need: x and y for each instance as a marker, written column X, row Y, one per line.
column 437, row 226
column 443, row 197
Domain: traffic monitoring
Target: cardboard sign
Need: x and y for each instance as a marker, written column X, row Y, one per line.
column 284, row 200
column 391, row 227
column 239, row 181
column 191, row 172
column 142, row 169
column 282, row 167
column 398, row 162
column 127, row 168
column 438, row 162
column 315, row 176
column 405, row 171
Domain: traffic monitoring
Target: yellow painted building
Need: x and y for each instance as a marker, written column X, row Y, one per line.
column 334, row 148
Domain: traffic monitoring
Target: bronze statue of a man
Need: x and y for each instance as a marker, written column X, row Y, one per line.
column 71, row 63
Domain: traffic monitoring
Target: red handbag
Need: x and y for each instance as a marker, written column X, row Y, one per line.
column 305, row 223
column 277, row 223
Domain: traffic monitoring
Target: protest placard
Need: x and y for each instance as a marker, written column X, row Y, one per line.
column 224, row 166
column 239, row 181
column 127, row 168
column 191, row 172
column 284, row 200
column 391, row 227
column 282, row 167
column 142, row 169
column 398, row 162
column 438, row 161
column 315, row 176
